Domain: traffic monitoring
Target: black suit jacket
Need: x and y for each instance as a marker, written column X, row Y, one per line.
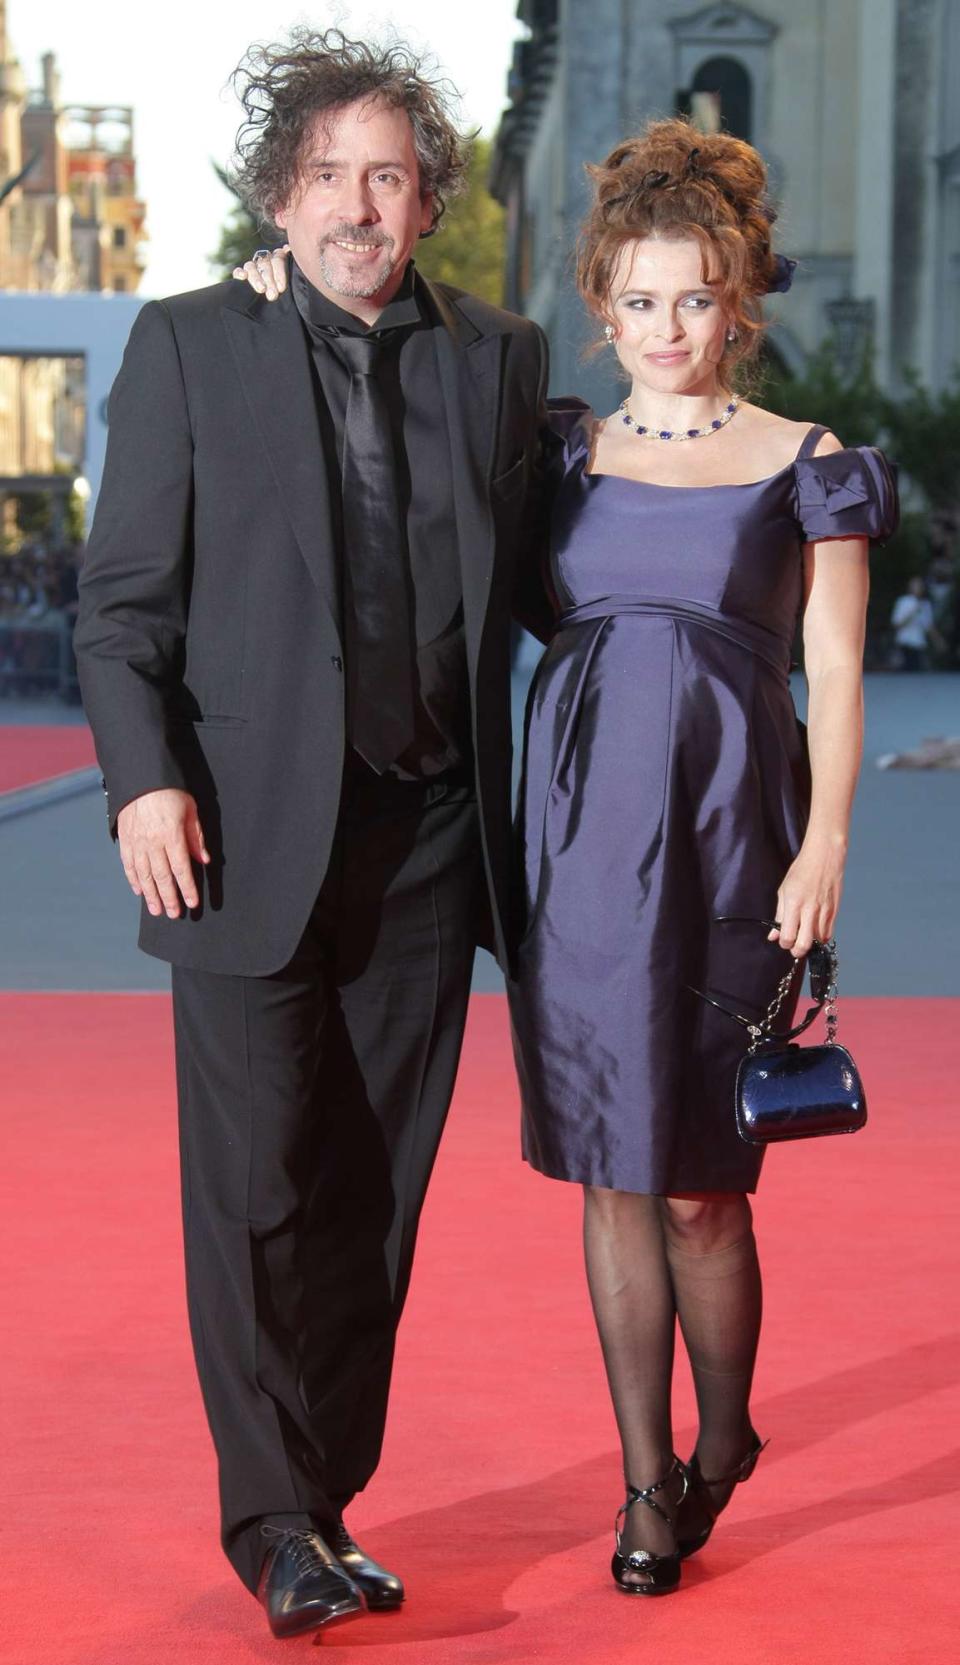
column 209, row 634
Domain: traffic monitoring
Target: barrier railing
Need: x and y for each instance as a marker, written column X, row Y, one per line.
column 36, row 656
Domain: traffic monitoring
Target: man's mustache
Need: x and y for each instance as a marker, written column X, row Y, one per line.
column 357, row 234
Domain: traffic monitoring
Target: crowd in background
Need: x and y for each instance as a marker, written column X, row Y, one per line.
column 38, row 604
column 38, row 607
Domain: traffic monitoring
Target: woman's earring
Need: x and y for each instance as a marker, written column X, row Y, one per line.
column 609, row 332
column 731, row 334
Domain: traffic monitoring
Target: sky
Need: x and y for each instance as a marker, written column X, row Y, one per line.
column 172, row 63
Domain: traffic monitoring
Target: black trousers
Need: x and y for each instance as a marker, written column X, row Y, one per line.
column 311, row 1106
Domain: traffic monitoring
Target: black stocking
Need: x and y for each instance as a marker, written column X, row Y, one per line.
column 716, row 1285
column 632, row 1295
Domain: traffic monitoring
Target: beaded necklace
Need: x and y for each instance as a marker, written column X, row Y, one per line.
column 691, row 433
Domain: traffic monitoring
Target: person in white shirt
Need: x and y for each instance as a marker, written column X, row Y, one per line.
column 913, row 625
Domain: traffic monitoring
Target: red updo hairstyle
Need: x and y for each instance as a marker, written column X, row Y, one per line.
column 672, row 181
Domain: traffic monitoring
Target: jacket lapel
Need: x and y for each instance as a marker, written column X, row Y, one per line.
column 470, row 368
column 274, row 367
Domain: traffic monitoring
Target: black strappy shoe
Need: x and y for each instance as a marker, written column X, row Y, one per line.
column 661, row 1572
column 698, row 1498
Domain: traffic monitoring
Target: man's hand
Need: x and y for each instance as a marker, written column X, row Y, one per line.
column 160, row 836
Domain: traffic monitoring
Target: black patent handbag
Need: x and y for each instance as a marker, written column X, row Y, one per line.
column 784, row 1091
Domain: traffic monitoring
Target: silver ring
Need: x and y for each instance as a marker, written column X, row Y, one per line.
column 260, row 254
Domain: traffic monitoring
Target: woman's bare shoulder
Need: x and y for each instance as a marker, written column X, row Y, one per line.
column 782, row 433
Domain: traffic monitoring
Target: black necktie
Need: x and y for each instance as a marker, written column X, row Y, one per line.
column 379, row 649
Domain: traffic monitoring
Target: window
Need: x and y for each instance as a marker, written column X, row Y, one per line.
column 722, row 66
column 730, row 83
column 119, row 236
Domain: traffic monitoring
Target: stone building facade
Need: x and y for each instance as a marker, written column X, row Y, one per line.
column 71, row 221
column 855, row 106
column 70, row 214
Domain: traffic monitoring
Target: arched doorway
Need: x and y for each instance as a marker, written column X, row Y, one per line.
column 730, row 83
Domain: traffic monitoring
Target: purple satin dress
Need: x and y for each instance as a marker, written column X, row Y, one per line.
column 665, row 784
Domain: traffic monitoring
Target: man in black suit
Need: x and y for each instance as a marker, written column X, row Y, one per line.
column 294, row 653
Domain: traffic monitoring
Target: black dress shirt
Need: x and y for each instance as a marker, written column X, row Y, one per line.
column 410, row 383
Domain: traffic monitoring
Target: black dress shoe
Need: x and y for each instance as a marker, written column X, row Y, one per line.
column 302, row 1584
column 381, row 1589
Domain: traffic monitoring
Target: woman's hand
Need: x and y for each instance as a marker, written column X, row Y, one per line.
column 266, row 271
column 809, row 896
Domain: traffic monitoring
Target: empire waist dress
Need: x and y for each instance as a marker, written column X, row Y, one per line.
column 666, row 784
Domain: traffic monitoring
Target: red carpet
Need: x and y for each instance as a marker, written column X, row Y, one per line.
column 500, row 1479
column 34, row 752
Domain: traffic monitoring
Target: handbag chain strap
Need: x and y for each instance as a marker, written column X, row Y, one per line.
column 763, row 1031
column 830, row 995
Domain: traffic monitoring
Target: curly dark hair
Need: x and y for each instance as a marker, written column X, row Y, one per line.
column 283, row 87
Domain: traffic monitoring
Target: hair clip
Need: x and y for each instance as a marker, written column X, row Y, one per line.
column 782, row 278
column 651, row 181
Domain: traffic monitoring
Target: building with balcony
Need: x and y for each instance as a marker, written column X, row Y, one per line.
column 70, row 214
column 107, row 214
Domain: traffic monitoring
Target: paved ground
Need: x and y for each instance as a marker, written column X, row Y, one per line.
column 70, row 923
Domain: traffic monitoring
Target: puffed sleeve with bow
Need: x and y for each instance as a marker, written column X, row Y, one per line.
column 847, row 494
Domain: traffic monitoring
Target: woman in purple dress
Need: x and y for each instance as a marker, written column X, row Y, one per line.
column 668, row 787
column 670, row 801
